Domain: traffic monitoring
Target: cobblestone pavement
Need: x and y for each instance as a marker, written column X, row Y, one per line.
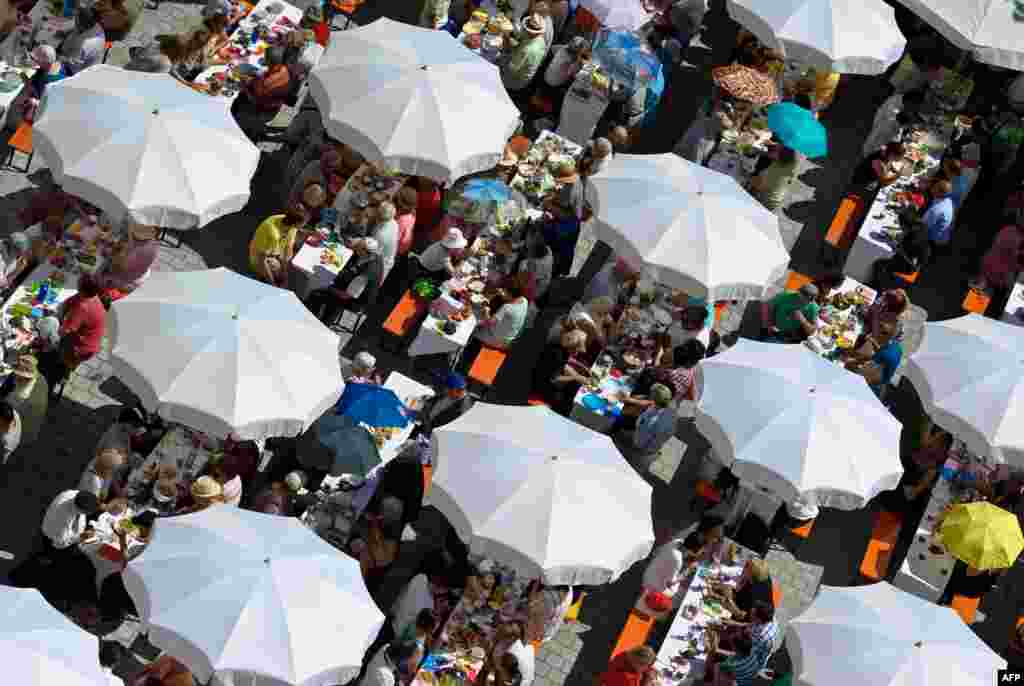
column 93, row 396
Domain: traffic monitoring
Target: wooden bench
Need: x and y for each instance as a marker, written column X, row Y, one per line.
column 406, row 315
column 634, row 633
column 976, row 301
column 804, row 530
column 844, row 224
column 21, row 142
column 486, row 365
column 965, row 607
column 875, row 564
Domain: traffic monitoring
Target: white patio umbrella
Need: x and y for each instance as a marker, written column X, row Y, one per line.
column 415, row 98
column 792, row 422
column 878, row 635
column 969, row 373
column 223, row 353
column 626, row 14
column 691, row 227
column 238, row 592
column 541, row 493
column 848, row 36
column 39, row 645
column 991, row 29
column 146, row 146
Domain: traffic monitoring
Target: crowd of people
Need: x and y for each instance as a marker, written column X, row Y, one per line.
column 408, row 234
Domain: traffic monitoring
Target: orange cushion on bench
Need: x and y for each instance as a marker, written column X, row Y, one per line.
column 803, row 531
column 634, row 633
column 22, row 138
column 965, row 607
column 486, row 365
column 405, row 315
column 875, row 564
column 841, row 230
column 976, row 301
column 907, row 278
column 795, row 280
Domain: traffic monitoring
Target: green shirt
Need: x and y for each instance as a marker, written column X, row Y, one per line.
column 523, row 62
column 774, row 181
column 785, row 305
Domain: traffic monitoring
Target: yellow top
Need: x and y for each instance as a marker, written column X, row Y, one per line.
column 825, row 84
column 272, row 237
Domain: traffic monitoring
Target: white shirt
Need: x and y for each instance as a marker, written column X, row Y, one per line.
column 526, row 658
column 414, row 598
column 11, row 439
column 434, row 257
column 63, row 523
column 387, row 235
column 664, row 571
column 92, row 482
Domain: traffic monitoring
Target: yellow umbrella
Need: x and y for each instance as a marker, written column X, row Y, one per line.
column 982, row 535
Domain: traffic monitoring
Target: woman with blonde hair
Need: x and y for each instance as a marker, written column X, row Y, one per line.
column 405, row 204
column 594, row 319
column 754, row 585
column 206, row 492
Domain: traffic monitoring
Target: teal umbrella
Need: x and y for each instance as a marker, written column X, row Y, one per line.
column 796, row 128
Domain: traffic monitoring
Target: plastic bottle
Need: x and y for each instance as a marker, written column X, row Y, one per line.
column 69, row 8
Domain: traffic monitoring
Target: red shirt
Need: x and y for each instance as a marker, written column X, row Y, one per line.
column 428, row 211
column 622, row 673
column 85, row 321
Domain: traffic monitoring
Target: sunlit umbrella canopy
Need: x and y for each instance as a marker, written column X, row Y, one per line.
column 797, row 128
column 991, row 29
column 847, row 36
column 982, row 535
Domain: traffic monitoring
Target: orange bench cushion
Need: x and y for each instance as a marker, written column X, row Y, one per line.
column 776, row 595
column 803, row 531
column 883, row 538
column 634, row 633
column 428, row 476
column 907, row 278
column 976, row 301
column 22, row 138
column 406, row 315
column 795, row 280
column 840, row 232
column 486, row 365
column 965, row 607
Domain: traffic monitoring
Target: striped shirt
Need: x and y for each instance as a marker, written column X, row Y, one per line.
column 746, row 667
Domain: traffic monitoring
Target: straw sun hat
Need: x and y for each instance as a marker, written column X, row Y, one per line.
column 206, row 487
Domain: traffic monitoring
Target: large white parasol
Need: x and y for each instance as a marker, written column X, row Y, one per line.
column 145, row 146
column 691, row 227
column 414, row 98
column 223, row 353
column 541, row 493
column 241, row 593
column 792, row 422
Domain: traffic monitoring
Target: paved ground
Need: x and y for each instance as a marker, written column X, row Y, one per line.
column 33, row 476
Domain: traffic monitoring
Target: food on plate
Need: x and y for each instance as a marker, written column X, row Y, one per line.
column 472, row 28
column 480, row 16
column 476, row 286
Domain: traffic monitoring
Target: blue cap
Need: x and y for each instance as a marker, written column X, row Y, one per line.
column 455, row 381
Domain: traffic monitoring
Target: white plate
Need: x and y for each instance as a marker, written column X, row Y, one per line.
column 476, row 286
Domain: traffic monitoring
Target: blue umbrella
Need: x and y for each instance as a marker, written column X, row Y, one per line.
column 338, row 445
column 624, row 56
column 796, row 128
column 370, row 404
column 487, row 190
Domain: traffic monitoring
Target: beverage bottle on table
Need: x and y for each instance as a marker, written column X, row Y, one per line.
column 44, row 291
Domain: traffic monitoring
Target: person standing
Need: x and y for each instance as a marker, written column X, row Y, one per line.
column 938, row 216
column 387, row 232
column 657, row 424
column 83, row 325
column 526, row 57
column 84, row 46
column 30, row 398
column 273, row 245
column 771, row 186
column 10, row 431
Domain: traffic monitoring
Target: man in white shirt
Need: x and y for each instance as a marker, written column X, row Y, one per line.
column 65, row 519
column 386, row 233
column 99, row 473
column 10, row 431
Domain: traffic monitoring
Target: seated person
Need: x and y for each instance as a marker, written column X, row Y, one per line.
column 537, row 266
column 362, row 370
column 280, row 498
column 302, row 52
column 562, row 368
column 273, row 245
column 794, row 314
column 15, row 257
column 594, row 319
column 889, row 307
column 938, row 215
column 704, row 540
column 680, row 372
column 263, row 96
column 51, row 202
column 501, row 328
column 132, row 260
column 49, row 70
column 117, row 17
column 443, row 256
column 771, row 186
column 356, row 285
column 318, row 171
column 447, row 406
column 115, row 602
column 158, row 58
column 754, row 585
column 566, row 62
column 631, row 668
column 885, row 166
column 657, row 424
column 878, row 358
column 615, row 276
column 913, row 252
column 596, row 156
column 376, row 546
column 913, row 492
column 84, row 46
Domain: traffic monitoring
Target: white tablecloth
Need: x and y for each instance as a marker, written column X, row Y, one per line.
column 686, row 633
column 178, row 447
column 432, row 341
column 104, row 527
column 312, row 273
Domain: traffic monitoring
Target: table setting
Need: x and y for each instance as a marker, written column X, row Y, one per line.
column 683, row 654
column 367, row 188
column 322, row 254
column 534, row 176
column 103, row 544
column 187, row 450
column 841, row 321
